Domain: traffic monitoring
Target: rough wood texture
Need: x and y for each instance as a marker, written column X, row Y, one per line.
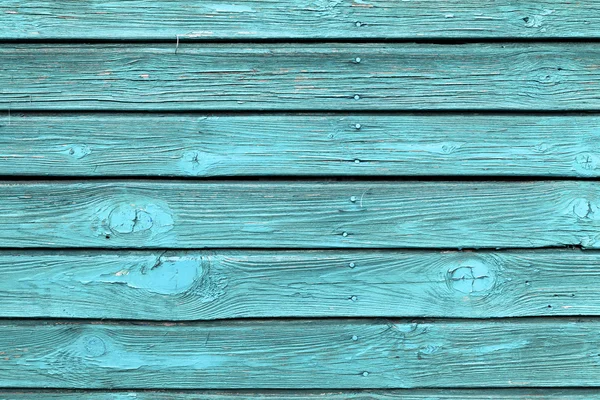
column 301, row 354
column 299, row 144
column 300, row 214
column 546, row 76
column 403, row 394
column 241, row 284
column 305, row 19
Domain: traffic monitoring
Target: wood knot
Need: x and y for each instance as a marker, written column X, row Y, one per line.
column 93, row 346
column 586, row 163
column 471, row 277
column 78, row 151
column 537, row 20
column 139, row 217
column 195, row 162
column 127, row 218
column 585, row 209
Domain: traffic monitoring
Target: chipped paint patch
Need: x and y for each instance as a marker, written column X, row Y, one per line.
column 472, row 277
column 140, row 217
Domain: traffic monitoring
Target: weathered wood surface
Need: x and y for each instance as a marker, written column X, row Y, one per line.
column 301, row 354
column 299, row 144
column 250, row 284
column 305, row 19
column 317, row 214
column 540, row 76
column 404, row 394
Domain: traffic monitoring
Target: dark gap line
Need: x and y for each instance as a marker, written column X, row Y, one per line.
column 291, row 390
column 183, row 40
column 307, row 179
column 15, row 113
column 282, row 320
column 104, row 249
column 291, row 111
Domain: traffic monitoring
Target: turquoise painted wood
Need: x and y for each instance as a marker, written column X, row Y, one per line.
column 423, row 394
column 305, row 19
column 318, row 145
column 266, row 284
column 301, row 354
column 440, row 146
column 311, row 214
column 499, row 76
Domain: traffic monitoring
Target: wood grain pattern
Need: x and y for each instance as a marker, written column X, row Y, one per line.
column 500, row 76
column 299, row 214
column 301, row 354
column 299, row 144
column 265, row 284
column 404, row 394
column 304, row 19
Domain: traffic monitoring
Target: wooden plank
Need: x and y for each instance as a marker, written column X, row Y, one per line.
column 539, row 76
column 264, row 284
column 404, row 394
column 306, row 214
column 304, row 19
column 301, row 354
column 299, row 145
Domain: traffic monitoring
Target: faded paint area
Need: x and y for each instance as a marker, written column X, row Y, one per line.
column 99, row 349
column 229, row 8
column 167, row 275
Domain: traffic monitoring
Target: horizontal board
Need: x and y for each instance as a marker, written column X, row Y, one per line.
column 404, row 394
column 306, row 214
column 299, row 145
column 304, row 19
column 251, row 284
column 537, row 76
column 301, row 354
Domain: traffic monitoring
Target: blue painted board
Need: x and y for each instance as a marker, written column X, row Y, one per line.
column 319, row 145
column 297, row 19
column 223, row 284
column 331, row 76
column 291, row 214
column 300, row 354
column 402, row 394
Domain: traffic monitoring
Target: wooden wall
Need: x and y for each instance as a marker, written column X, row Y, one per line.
column 312, row 199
